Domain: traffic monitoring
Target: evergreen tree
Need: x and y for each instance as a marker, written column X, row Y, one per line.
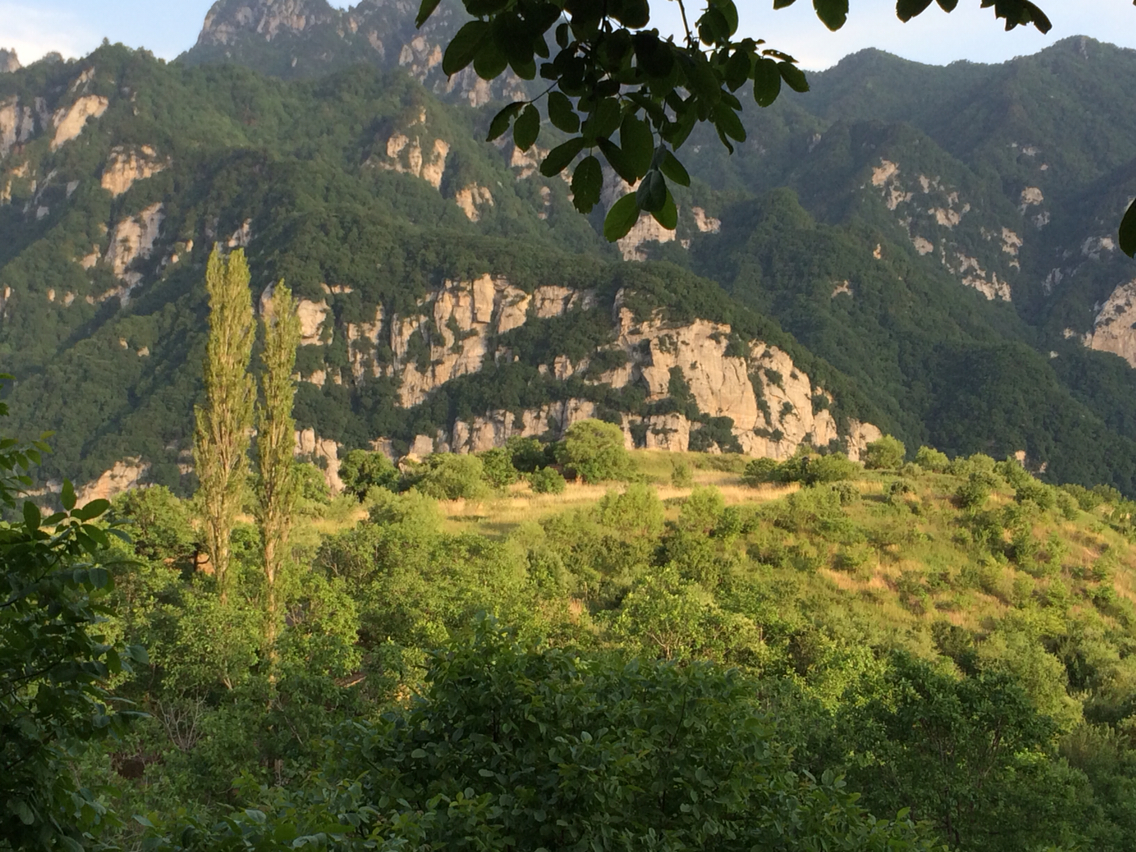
column 275, row 443
column 220, row 449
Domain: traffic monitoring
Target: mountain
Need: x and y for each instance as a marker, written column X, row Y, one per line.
column 9, row 62
column 923, row 251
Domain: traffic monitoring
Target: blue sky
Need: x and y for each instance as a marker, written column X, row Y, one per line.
column 75, row 27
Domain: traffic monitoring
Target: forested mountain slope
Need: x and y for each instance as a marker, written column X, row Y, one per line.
column 933, row 258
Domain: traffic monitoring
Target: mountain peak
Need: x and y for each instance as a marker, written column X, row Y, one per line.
column 227, row 19
column 8, row 61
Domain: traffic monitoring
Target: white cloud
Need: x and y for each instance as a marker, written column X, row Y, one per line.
column 34, row 31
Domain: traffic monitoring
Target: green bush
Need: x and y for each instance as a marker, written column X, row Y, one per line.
column 547, row 480
column 527, row 454
column 498, row 465
column 932, row 460
column 887, row 453
column 637, row 511
column 702, row 510
column 835, row 467
column 362, row 470
column 761, row 471
column 447, row 476
column 682, row 476
column 595, row 452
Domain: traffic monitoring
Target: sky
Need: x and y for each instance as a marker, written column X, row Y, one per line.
column 168, row 27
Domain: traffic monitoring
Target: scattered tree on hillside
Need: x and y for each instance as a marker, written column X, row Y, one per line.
column 595, row 451
column 221, row 441
column 275, row 444
column 612, row 75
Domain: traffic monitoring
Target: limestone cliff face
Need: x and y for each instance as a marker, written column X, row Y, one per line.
column 127, row 165
column 774, row 406
column 939, row 222
column 228, row 21
column 9, row 62
column 1114, row 329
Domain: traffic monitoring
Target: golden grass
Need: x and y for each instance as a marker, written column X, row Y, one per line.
column 497, row 516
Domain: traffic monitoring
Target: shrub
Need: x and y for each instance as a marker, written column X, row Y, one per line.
column 701, row 510
column 831, row 468
column 637, row 511
column 362, row 470
column 447, row 476
column 527, row 454
column 885, row 454
column 932, row 460
column 972, row 494
column 594, row 450
column 760, row 471
column 547, row 480
column 682, row 476
column 498, row 465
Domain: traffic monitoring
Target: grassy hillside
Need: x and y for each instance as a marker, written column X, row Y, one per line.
column 892, row 625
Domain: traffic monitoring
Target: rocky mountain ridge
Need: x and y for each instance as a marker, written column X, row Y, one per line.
column 452, row 298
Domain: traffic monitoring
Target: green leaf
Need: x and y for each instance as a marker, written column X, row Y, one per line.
column 667, row 215
column 618, row 160
column 728, row 123
column 490, row 61
column 67, row 496
column 674, row 170
column 700, row 77
column 634, row 14
column 638, row 144
column 1128, row 231
column 604, row 119
column 31, row 515
column 587, row 182
column 783, row 4
column 425, row 11
column 464, row 46
column 91, row 510
column 794, row 76
column 20, row 808
column 561, row 112
column 833, row 13
column 766, row 82
column 500, row 122
column 905, row 10
column 560, row 156
column 526, row 128
column 621, row 218
column 652, row 192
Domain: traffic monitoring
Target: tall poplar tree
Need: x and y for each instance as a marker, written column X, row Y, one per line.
column 221, row 442
column 275, row 445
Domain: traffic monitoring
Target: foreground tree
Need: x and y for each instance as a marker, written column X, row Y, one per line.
column 275, row 445
column 54, row 662
column 631, row 96
column 221, row 442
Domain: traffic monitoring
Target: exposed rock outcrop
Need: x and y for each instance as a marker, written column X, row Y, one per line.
column 773, row 406
column 127, row 165
column 9, row 62
column 125, row 474
column 70, row 121
column 133, row 238
column 17, row 125
column 225, row 22
column 1114, row 329
column 324, row 453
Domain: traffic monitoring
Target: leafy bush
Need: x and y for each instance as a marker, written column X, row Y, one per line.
column 448, row 476
column 887, row 453
column 702, row 510
column 595, row 452
column 361, row 470
column 637, row 511
column 547, row 480
column 972, row 494
column 761, row 471
column 681, row 475
column 527, row 454
column 498, row 465
column 932, row 460
column 831, row 468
